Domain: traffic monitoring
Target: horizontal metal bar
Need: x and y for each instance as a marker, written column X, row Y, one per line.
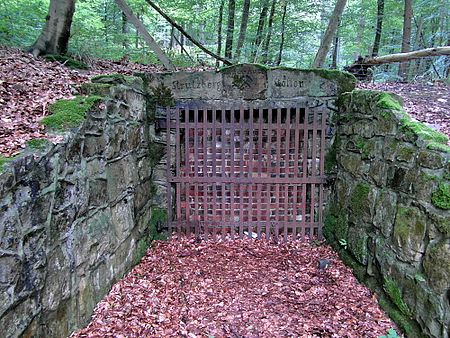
column 251, row 180
column 253, row 224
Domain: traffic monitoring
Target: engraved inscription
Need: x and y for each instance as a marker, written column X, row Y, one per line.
column 286, row 82
column 196, row 84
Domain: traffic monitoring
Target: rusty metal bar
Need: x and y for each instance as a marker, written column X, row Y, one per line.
column 169, row 174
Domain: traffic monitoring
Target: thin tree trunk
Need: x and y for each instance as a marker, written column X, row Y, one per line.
column 243, row 29
column 219, row 31
column 283, row 25
column 379, row 29
column 259, row 32
column 265, row 53
column 360, row 33
column 145, row 34
column 181, row 43
column 324, row 48
column 184, row 33
column 334, row 61
column 406, row 39
column 54, row 38
column 230, row 29
column 125, row 31
column 414, row 67
column 172, row 36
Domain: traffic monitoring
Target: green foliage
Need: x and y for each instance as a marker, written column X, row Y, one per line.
column 389, row 101
column 161, row 96
column 441, row 197
column 394, row 293
column 38, row 143
column 156, row 152
column 439, row 147
column 360, row 196
column 69, row 113
column 331, row 155
column 403, row 322
column 410, row 127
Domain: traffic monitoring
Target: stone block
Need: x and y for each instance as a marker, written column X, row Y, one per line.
column 378, row 172
column 385, row 211
column 57, row 283
column 430, row 159
column 246, row 82
column 97, row 192
column 122, row 218
column 187, row 85
column 93, row 146
column 409, row 233
column 357, row 243
column 437, row 266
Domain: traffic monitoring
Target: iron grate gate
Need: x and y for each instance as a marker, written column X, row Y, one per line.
column 247, row 171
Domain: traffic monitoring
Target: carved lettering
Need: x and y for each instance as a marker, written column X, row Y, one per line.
column 286, row 82
column 196, row 84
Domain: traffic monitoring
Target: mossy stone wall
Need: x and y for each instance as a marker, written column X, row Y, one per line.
column 389, row 210
column 74, row 218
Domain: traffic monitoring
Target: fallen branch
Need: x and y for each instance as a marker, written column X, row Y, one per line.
column 403, row 57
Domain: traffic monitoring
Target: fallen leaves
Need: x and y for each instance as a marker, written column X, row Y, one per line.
column 241, row 288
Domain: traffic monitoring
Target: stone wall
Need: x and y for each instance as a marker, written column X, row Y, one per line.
column 71, row 219
column 389, row 215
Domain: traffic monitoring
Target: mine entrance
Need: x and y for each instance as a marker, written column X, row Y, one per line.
column 246, row 171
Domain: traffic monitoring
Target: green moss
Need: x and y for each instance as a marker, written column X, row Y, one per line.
column 67, row 61
column 360, row 197
column 362, row 145
column 439, row 147
column 331, row 156
column 100, row 89
column 404, row 323
column 156, row 152
column 257, row 65
column 394, row 293
column 3, row 162
column 389, row 101
column 410, row 127
column 161, row 96
column 109, row 79
column 38, row 143
column 441, row 197
column 335, row 227
column 358, row 269
column 69, row 113
column 408, row 221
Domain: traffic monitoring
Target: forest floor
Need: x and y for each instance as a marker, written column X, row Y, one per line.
column 29, row 85
column 241, row 288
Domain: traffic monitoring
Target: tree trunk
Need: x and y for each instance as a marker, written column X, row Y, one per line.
column 145, row 34
column 324, row 48
column 184, row 33
column 230, row 29
column 283, row 25
column 243, row 29
column 259, row 32
column 414, row 67
column 406, row 40
column 265, row 53
column 54, row 38
column 379, row 29
column 172, row 37
column 403, row 57
column 219, row 31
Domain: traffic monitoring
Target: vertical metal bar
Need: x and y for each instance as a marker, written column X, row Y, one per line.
column 232, row 164
column 259, row 174
column 269, row 171
column 286, row 169
column 214, row 171
column 305, row 169
column 313, row 170
column 296, row 174
column 205, row 172
column 169, row 174
column 178, row 171
column 196, row 159
column 278, row 165
column 251, row 115
column 322, row 170
column 241, row 172
column 187, row 160
column 224, row 193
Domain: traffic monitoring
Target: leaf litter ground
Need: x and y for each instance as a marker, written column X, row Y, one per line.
column 242, row 288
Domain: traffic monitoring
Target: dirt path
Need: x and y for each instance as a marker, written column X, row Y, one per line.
column 244, row 288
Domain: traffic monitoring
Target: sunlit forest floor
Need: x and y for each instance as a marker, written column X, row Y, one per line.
column 240, row 288
column 28, row 85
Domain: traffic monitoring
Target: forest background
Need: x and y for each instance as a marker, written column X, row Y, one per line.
column 276, row 32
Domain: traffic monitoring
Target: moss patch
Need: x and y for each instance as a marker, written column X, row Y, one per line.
column 360, row 197
column 335, row 227
column 410, row 127
column 69, row 113
column 394, row 293
column 403, row 322
column 161, row 96
column 38, row 143
column 100, row 89
column 389, row 101
column 67, row 61
column 331, row 156
column 3, row 162
column 441, row 197
column 439, row 147
column 437, row 265
column 109, row 79
column 156, row 152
